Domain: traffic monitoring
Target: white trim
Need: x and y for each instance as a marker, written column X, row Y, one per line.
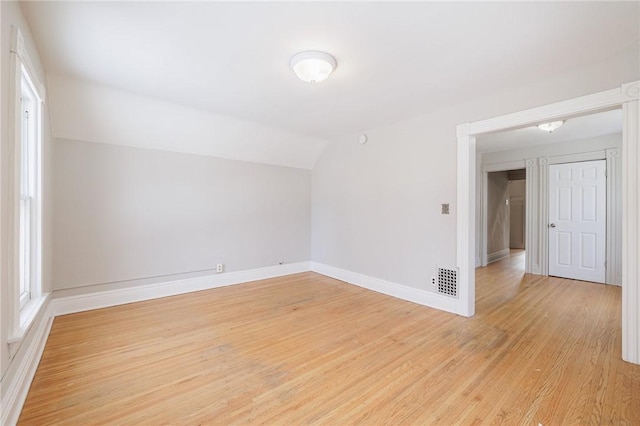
column 614, row 213
column 19, row 49
column 631, row 232
column 415, row 295
column 543, row 215
column 10, row 240
column 35, row 231
column 577, row 158
column 465, row 220
column 27, row 316
column 578, row 106
column 626, row 96
column 531, row 243
column 18, row 378
column 498, row 255
column 19, row 60
column 104, row 299
column 504, row 166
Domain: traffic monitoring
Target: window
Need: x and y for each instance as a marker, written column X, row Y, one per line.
column 24, row 176
column 29, row 227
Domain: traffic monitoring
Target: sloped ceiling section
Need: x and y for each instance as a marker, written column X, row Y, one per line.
column 396, row 60
column 89, row 112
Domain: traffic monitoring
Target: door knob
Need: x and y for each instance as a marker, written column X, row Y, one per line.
column 552, row 225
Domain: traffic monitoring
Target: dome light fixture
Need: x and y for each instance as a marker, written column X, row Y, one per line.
column 550, row 127
column 313, row 66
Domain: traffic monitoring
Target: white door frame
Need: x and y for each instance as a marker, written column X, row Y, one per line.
column 536, row 209
column 484, row 209
column 613, row 238
column 626, row 96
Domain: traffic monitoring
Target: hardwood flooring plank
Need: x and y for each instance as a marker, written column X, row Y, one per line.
column 308, row 349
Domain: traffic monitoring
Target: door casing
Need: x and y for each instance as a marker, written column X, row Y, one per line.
column 625, row 96
column 537, row 210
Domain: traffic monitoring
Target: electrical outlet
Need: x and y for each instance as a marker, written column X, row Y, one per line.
column 445, row 208
column 433, row 280
column 219, row 267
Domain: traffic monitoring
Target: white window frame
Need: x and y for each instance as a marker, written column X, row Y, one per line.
column 24, row 305
column 30, row 241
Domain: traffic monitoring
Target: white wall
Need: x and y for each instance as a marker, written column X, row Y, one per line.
column 136, row 215
column 376, row 207
column 517, row 206
column 12, row 16
column 497, row 213
column 93, row 113
column 598, row 143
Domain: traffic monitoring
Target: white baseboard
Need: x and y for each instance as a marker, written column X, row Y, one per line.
column 105, row 299
column 498, row 255
column 422, row 297
column 22, row 369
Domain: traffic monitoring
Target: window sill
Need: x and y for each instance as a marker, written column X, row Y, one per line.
column 28, row 314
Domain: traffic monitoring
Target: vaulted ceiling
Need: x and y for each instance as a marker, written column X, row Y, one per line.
column 395, row 60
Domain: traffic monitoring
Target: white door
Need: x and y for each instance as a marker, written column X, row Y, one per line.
column 577, row 220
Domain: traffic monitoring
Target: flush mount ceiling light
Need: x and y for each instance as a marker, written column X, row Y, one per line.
column 550, row 127
column 313, row 66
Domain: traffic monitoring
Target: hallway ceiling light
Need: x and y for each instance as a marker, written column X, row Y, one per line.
column 313, row 66
column 550, row 127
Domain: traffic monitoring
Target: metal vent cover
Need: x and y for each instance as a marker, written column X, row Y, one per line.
column 448, row 282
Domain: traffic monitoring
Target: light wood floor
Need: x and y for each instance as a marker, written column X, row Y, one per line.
column 310, row 349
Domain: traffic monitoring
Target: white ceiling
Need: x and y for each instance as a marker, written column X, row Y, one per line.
column 395, row 60
column 588, row 126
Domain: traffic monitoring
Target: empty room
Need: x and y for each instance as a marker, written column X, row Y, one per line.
column 333, row 213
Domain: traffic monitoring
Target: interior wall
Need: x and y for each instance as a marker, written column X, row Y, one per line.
column 597, row 143
column 497, row 213
column 90, row 112
column 517, row 197
column 376, row 207
column 11, row 15
column 517, row 188
column 130, row 215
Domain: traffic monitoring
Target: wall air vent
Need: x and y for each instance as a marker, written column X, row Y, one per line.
column 448, row 282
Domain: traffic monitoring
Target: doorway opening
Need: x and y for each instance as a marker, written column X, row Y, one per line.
column 625, row 96
column 504, row 223
column 534, row 155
